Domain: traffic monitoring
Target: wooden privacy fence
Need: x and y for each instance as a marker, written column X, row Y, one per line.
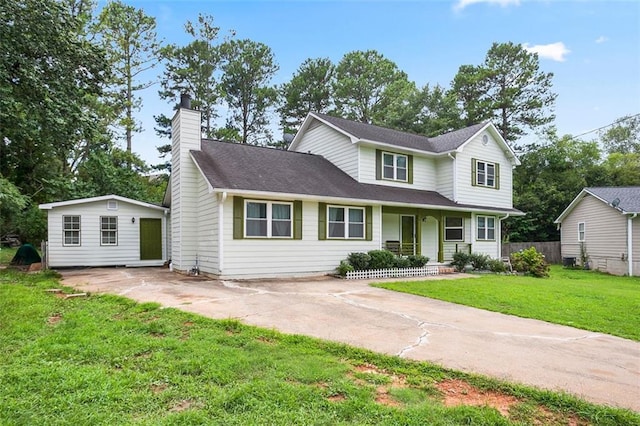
column 550, row 249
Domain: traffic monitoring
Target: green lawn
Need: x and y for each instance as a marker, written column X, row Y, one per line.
column 107, row 360
column 583, row 299
column 6, row 254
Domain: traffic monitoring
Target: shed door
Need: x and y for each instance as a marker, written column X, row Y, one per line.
column 150, row 239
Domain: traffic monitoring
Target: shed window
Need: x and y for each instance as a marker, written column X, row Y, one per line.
column 581, row 229
column 486, row 228
column 454, row 229
column 70, row 230
column 109, row 231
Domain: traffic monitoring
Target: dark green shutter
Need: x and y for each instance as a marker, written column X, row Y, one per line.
column 238, row 218
column 322, row 221
column 378, row 164
column 297, row 220
column 474, row 176
column 497, row 176
column 410, row 166
column 368, row 211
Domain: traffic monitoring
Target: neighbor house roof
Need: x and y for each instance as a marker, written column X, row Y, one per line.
column 448, row 142
column 625, row 199
column 244, row 168
column 50, row 206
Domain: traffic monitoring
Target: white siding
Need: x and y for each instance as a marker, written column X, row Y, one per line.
column 272, row 257
column 207, row 236
column 332, row 145
column 636, row 246
column 491, row 152
column 444, row 177
column 605, row 235
column 184, row 189
column 450, row 247
column 424, row 170
column 90, row 252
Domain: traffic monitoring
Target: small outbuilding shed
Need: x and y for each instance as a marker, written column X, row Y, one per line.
column 106, row 231
column 601, row 226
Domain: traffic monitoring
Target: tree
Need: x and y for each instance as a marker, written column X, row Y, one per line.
column 248, row 68
column 429, row 111
column 309, row 90
column 508, row 89
column 622, row 169
column 193, row 69
column 130, row 40
column 551, row 174
column 361, row 85
column 623, row 137
column 49, row 76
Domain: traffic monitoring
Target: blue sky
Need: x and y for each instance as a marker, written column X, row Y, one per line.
column 592, row 47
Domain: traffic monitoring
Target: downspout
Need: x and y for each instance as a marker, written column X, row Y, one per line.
column 455, row 185
column 500, row 233
column 221, row 199
column 630, row 243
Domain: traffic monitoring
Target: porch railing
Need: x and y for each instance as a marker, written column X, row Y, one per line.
column 399, row 248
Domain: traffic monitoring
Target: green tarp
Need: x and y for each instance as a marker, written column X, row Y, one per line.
column 26, row 255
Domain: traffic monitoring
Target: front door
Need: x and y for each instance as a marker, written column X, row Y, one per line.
column 150, row 239
column 408, row 235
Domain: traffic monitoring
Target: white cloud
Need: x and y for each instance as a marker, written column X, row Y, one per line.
column 602, row 39
column 554, row 51
column 461, row 4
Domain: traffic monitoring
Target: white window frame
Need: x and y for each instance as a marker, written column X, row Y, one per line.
column 347, row 222
column 395, row 166
column 269, row 219
column 486, row 228
column 108, row 230
column 461, row 227
column 582, row 232
column 71, row 230
column 112, row 205
column 484, row 174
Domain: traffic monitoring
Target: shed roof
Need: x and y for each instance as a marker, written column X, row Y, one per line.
column 247, row 168
column 49, row 206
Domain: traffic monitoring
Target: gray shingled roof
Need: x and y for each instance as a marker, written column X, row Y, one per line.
column 443, row 143
column 241, row 167
column 629, row 196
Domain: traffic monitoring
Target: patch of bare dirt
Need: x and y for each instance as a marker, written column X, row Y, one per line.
column 185, row 404
column 337, row 398
column 158, row 388
column 54, row 319
column 458, row 392
column 383, row 395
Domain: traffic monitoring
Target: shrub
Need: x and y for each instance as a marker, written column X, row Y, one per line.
column 531, row 262
column 359, row 261
column 479, row 261
column 460, row 260
column 344, row 267
column 381, row 259
column 497, row 265
column 417, row 261
column 402, row 262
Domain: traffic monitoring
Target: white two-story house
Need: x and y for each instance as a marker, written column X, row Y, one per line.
column 245, row 211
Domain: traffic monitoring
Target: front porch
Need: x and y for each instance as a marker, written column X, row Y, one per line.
column 411, row 231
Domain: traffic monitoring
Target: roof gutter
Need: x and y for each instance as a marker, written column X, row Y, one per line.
column 356, row 201
column 630, row 243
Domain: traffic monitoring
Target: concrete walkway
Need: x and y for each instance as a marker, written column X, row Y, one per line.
column 597, row 367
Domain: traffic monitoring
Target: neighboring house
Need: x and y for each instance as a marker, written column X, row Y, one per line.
column 106, row 231
column 240, row 210
column 601, row 226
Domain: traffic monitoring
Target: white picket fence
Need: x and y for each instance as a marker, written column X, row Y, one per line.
column 393, row 273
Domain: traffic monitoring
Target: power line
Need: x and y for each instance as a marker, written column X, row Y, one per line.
column 605, row 126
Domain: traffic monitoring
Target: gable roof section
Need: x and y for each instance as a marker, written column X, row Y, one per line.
column 246, row 168
column 627, row 199
column 363, row 132
column 50, row 206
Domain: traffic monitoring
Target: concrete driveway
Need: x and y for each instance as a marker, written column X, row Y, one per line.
column 597, row 367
